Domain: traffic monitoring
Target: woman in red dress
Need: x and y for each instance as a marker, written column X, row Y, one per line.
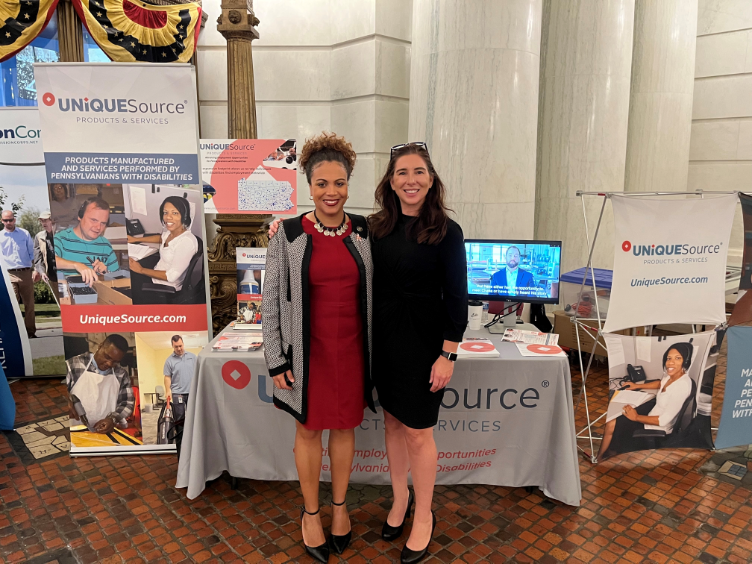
column 317, row 310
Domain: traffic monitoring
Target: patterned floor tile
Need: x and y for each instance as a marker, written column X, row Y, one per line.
column 651, row 506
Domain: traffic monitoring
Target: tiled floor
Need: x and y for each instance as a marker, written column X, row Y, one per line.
column 641, row 507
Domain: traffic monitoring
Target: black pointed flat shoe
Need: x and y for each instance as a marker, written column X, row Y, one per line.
column 389, row 533
column 340, row 542
column 321, row 552
column 411, row 556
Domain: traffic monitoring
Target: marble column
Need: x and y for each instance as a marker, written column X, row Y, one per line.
column 586, row 60
column 70, row 33
column 660, row 111
column 474, row 100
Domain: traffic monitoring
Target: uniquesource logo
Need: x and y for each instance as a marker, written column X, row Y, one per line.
column 113, row 105
column 672, row 249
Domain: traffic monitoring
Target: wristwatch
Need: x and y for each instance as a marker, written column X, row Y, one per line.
column 448, row 355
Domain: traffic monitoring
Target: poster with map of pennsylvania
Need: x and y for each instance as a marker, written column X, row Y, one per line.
column 250, row 175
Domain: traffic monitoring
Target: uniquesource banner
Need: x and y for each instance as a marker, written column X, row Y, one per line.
column 121, row 152
column 118, row 122
column 670, row 260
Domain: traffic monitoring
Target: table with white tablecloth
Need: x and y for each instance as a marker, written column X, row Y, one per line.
column 504, row 421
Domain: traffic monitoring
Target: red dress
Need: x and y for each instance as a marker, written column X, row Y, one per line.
column 335, row 371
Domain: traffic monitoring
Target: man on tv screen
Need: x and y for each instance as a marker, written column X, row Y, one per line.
column 512, row 280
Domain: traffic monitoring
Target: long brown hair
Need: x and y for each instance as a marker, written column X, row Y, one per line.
column 431, row 224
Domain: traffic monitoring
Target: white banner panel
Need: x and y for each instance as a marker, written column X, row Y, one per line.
column 115, row 122
column 670, row 260
column 20, row 137
column 23, row 189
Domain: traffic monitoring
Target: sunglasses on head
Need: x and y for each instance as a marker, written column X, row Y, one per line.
column 401, row 145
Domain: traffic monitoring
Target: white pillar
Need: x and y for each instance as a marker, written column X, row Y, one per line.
column 586, row 55
column 660, row 112
column 474, row 100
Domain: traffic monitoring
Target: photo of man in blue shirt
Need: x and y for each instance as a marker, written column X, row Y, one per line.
column 17, row 256
column 512, row 280
column 83, row 249
column 178, row 373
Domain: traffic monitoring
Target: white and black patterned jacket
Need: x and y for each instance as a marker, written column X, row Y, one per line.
column 286, row 308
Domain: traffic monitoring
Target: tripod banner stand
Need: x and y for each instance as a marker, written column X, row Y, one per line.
column 669, row 260
column 669, row 268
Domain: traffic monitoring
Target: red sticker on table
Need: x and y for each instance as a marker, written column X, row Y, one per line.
column 477, row 347
column 544, row 349
column 236, row 374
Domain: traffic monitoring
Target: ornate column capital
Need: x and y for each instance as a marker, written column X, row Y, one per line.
column 237, row 20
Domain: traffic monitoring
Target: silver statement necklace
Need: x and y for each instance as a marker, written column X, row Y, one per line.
column 330, row 231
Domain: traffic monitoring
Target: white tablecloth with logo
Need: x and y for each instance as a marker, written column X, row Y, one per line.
column 505, row 421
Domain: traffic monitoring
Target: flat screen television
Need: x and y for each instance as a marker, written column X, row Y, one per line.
column 513, row 270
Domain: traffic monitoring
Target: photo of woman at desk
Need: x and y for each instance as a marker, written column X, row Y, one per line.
column 156, row 278
column 669, row 402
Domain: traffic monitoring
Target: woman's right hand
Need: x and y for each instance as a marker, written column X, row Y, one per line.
column 630, row 386
column 279, row 380
column 273, row 227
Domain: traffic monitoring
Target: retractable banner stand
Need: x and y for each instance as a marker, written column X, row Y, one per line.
column 670, row 260
column 662, row 392
column 30, row 272
column 121, row 154
column 743, row 308
column 736, row 418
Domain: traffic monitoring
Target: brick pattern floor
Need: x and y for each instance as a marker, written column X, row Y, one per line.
column 652, row 506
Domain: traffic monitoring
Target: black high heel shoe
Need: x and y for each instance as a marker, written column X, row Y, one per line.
column 411, row 556
column 389, row 533
column 340, row 542
column 321, row 552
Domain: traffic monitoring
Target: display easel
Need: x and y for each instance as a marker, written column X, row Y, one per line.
column 586, row 433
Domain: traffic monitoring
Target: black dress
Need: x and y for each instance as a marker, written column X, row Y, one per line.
column 419, row 300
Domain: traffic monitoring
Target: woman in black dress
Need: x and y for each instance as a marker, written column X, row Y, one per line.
column 420, row 315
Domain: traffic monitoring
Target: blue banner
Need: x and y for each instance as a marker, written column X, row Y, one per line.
column 7, row 404
column 736, row 419
column 15, row 354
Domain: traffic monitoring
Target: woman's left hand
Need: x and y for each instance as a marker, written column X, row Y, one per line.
column 135, row 266
column 441, row 373
column 630, row 413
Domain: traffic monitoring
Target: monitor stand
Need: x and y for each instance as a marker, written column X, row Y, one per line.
column 511, row 319
column 506, row 322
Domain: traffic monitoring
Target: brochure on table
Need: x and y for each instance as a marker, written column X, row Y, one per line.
column 251, row 273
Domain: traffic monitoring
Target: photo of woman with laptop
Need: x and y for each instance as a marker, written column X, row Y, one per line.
column 658, row 393
column 165, row 249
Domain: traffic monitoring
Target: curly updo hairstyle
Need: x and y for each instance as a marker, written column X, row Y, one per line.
column 327, row 147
